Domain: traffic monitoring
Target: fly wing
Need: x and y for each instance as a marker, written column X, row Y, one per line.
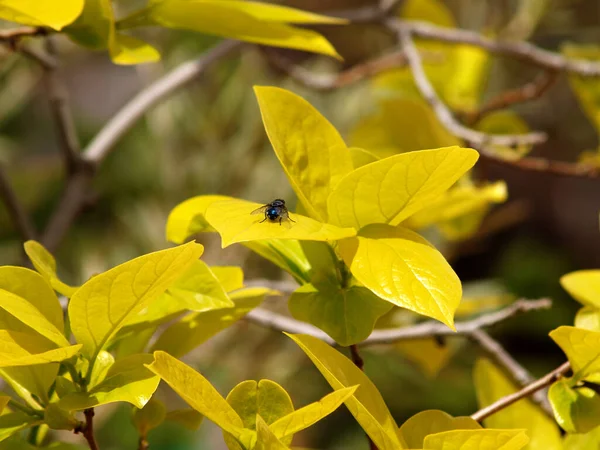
column 260, row 210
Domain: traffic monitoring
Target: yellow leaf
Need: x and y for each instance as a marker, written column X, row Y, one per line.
column 491, row 385
column 284, row 253
column 250, row 399
column 584, row 286
column 198, row 393
column 347, row 315
column 103, row 304
column 582, row 348
column 45, row 264
column 361, row 157
column 467, row 82
column 505, row 122
column 4, row 399
column 14, row 422
column 127, row 380
column 288, row 425
column 434, row 11
column 234, row 221
column 403, row 268
column 428, row 354
column 22, row 349
column 233, row 19
column 477, row 440
column 41, row 12
column 392, row 189
column 310, row 149
column 31, row 383
column 187, row 218
column 385, row 132
column 194, row 329
column 576, row 408
column 265, row 439
column 580, row 441
column 127, row 50
column 588, row 318
column 366, row 404
column 230, row 277
column 422, row 424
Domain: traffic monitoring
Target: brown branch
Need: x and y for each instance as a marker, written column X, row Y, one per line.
column 327, row 82
column 510, row 366
column 359, row 362
column 76, row 192
column 15, row 209
column 143, row 443
column 87, row 429
column 443, row 113
column 528, row 390
column 530, row 91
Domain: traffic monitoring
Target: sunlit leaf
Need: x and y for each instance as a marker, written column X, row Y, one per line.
column 361, row 157
column 127, row 50
column 22, row 349
column 13, row 422
column 104, row 303
column 401, row 267
column 309, row 148
column 491, row 385
column 578, row 441
column 298, row 420
column 422, row 424
column 41, row 12
column 477, row 440
column 45, row 264
column 434, row 11
column 265, row 439
column 582, row 347
column 150, row 416
column 31, row 383
column 194, row 329
column 584, row 286
column 266, row 399
column 588, row 318
column 394, row 188
column 103, row 363
column 576, row 409
column 366, row 405
column 187, row 218
column 198, row 393
column 467, row 82
column 284, row 253
column 347, row 315
column 127, row 380
column 235, row 223
column 230, row 277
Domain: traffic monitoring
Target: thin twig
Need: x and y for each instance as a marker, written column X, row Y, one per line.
column 511, row 366
column 445, row 116
column 530, row 91
column 360, row 363
column 16, row 33
column 523, row 51
column 328, row 82
column 88, row 430
column 504, row 402
column 15, row 209
column 59, row 103
column 278, row 322
column 135, row 109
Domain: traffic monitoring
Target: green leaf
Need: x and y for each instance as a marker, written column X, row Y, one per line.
column 58, row 418
column 287, row 254
column 384, row 133
column 30, row 287
column 22, row 349
column 583, row 286
column 421, row 425
column 265, row 439
column 347, row 315
column 323, row 263
column 234, row 221
column 582, row 347
column 576, row 409
column 45, row 264
column 366, row 405
column 477, row 440
column 237, row 20
column 310, row 149
column 103, row 304
column 198, row 393
column 194, row 329
column 14, row 422
column 41, row 12
column 127, row 380
column 250, row 399
column 31, row 383
column 287, row 426
column 403, row 268
column 4, row 399
column 149, row 417
column 491, row 385
column 187, row 218
column 372, row 193
column 189, row 418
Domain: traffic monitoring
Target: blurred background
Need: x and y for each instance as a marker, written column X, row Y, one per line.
column 209, row 139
